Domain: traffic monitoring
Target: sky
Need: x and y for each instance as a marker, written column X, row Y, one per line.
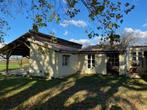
column 74, row 29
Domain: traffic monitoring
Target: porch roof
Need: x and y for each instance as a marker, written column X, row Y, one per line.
column 17, row 47
column 20, row 45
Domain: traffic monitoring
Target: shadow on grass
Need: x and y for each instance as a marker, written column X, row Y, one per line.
column 95, row 95
column 144, row 77
column 75, row 92
column 115, row 107
column 15, row 85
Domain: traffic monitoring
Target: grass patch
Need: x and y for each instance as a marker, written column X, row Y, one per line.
column 11, row 66
column 94, row 92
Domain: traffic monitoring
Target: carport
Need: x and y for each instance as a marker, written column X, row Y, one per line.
column 19, row 47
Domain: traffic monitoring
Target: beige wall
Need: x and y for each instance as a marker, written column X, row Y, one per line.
column 43, row 61
column 71, row 68
column 100, row 64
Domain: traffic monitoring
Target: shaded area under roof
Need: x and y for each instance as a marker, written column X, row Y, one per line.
column 17, row 47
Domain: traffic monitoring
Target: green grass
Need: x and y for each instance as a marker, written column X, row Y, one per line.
column 93, row 92
column 11, row 66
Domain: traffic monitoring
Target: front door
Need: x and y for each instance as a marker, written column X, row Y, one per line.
column 113, row 63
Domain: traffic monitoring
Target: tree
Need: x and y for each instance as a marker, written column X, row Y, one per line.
column 121, row 42
column 106, row 14
column 127, row 41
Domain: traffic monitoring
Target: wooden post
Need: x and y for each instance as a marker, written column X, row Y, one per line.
column 7, row 61
column 7, row 64
column 21, row 63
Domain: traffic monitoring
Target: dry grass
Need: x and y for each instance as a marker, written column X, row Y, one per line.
column 92, row 92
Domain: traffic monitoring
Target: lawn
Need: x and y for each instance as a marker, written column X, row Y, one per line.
column 93, row 92
column 11, row 66
column 14, row 64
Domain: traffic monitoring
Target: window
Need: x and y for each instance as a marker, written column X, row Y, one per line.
column 134, row 56
column 113, row 59
column 140, row 59
column 65, row 60
column 91, row 60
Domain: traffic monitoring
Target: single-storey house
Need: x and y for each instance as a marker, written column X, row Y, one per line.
column 50, row 56
column 137, row 54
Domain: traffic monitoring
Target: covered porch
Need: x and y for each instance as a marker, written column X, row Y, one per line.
column 16, row 51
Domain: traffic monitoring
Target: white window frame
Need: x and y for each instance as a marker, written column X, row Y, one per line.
column 91, row 60
column 134, row 56
column 65, row 60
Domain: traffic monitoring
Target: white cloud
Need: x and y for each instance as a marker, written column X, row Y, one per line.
column 65, row 33
column 145, row 25
column 86, row 42
column 64, row 1
column 139, row 35
column 77, row 23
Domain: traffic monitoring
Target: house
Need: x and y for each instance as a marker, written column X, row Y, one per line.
column 49, row 56
column 137, row 54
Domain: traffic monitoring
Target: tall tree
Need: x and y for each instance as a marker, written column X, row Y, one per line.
column 127, row 41
column 106, row 14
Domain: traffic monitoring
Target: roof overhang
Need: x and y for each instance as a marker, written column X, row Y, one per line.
column 17, row 47
column 20, row 45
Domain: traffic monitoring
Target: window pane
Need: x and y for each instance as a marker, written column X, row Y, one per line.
column 93, row 63
column 93, row 57
column 89, row 61
column 89, row 57
column 65, row 59
column 140, row 59
column 134, row 56
column 89, row 66
column 140, row 54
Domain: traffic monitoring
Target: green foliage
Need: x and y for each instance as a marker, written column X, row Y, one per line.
column 106, row 14
column 3, row 27
column 113, row 38
column 53, row 39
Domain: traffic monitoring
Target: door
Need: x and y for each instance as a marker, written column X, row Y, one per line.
column 113, row 63
column 145, row 61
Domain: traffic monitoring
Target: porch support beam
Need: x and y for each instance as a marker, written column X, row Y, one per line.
column 8, row 55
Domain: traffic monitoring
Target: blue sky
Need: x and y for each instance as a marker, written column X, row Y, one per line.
column 74, row 29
